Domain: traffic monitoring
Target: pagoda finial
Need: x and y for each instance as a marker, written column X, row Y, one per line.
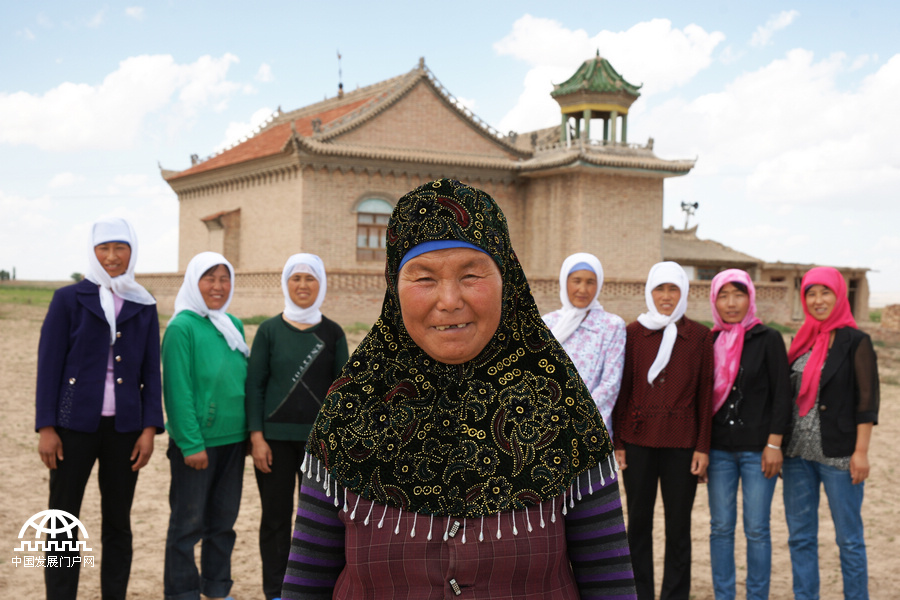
column 598, row 52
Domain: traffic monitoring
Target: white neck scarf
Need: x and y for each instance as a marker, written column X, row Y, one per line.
column 124, row 286
column 304, row 263
column 664, row 272
column 571, row 316
column 189, row 298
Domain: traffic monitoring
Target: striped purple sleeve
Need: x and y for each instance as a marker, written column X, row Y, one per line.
column 317, row 546
column 597, row 542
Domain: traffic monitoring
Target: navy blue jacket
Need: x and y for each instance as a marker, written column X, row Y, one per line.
column 73, row 355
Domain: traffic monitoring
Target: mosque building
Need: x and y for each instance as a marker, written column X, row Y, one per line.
column 324, row 179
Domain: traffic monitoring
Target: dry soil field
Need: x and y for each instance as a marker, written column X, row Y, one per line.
column 23, row 492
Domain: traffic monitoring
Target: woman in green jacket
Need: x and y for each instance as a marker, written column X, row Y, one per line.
column 296, row 356
column 204, row 360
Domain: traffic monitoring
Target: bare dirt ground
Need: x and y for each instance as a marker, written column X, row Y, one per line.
column 24, row 489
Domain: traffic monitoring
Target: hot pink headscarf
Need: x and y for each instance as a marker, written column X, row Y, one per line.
column 814, row 333
column 729, row 345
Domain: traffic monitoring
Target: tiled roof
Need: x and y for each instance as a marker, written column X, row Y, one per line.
column 317, row 128
column 272, row 139
column 596, row 75
column 686, row 248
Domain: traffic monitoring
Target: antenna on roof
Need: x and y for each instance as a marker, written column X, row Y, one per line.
column 689, row 210
column 340, row 77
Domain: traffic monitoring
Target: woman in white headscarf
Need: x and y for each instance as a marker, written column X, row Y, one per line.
column 296, row 356
column 663, row 419
column 205, row 364
column 98, row 397
column 593, row 338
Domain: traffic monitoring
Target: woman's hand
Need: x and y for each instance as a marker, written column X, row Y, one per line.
column 50, row 447
column 143, row 448
column 772, row 457
column 698, row 465
column 262, row 454
column 771, row 462
column 620, row 458
column 859, row 466
column 198, row 461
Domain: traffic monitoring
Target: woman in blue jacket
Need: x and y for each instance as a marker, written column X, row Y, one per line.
column 99, row 399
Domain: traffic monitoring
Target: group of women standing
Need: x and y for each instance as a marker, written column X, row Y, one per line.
column 462, row 406
column 99, row 398
column 731, row 408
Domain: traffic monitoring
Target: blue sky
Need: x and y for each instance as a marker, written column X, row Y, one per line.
column 789, row 108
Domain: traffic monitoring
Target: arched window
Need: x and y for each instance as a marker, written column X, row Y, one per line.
column 372, row 217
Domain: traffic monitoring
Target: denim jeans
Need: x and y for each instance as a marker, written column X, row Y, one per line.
column 204, row 506
column 802, row 480
column 726, row 469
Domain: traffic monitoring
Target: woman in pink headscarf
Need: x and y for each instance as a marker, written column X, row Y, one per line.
column 834, row 373
column 751, row 411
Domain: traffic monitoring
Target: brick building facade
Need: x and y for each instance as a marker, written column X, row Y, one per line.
column 323, row 179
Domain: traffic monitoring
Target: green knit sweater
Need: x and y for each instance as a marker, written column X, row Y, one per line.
column 289, row 373
column 203, row 384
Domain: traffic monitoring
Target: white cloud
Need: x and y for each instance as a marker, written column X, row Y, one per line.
column 758, row 232
column 264, row 73
column 131, row 180
column 26, row 33
column 135, row 12
column 97, row 19
column 112, row 115
column 236, row 131
column 763, row 34
column 66, row 179
column 790, row 134
column 652, row 51
column 469, row 103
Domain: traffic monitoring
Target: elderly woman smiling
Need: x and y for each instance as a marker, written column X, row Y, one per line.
column 461, row 408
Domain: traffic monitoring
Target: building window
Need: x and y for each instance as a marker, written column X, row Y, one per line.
column 706, row 273
column 371, row 229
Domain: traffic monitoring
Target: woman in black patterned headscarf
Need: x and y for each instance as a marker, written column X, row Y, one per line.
column 459, row 407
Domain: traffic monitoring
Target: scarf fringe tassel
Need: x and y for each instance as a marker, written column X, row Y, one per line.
column 573, row 492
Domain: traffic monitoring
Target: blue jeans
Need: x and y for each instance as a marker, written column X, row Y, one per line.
column 204, row 507
column 725, row 470
column 802, row 480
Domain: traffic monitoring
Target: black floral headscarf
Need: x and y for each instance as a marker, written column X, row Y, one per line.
column 508, row 429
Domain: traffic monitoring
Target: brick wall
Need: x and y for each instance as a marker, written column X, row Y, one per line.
column 890, row 317
column 356, row 296
column 421, row 120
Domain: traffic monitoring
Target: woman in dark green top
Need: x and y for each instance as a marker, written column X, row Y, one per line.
column 296, row 356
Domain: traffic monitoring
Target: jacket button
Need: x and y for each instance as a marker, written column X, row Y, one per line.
column 118, row 334
column 118, row 358
column 119, row 380
column 71, row 381
column 822, row 407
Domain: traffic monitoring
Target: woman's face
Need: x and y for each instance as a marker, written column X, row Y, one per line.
column 451, row 302
column 820, row 301
column 303, row 289
column 666, row 297
column 732, row 304
column 215, row 287
column 114, row 257
column 581, row 287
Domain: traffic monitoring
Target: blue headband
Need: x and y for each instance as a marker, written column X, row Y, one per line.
column 424, row 247
column 582, row 266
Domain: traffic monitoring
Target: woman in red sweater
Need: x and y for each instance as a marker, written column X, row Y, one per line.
column 662, row 420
